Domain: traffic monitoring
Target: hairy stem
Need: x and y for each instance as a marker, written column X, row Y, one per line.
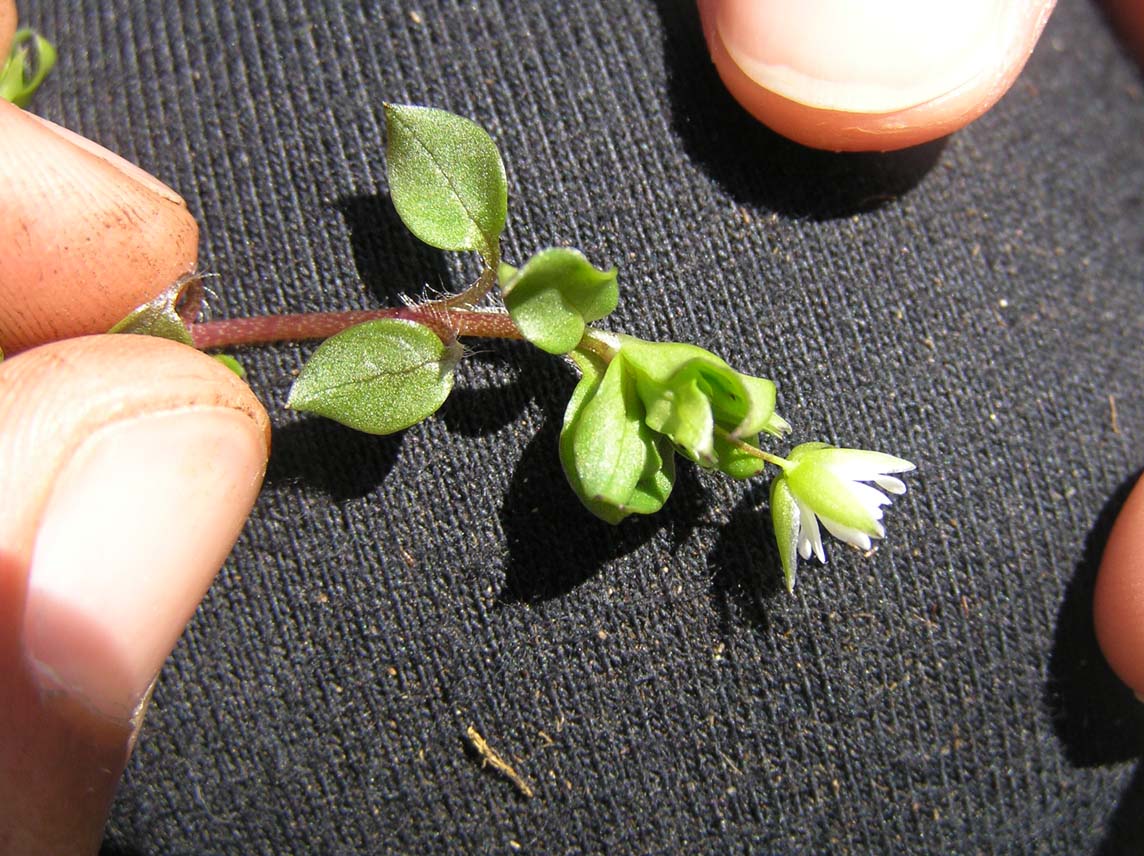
column 475, row 292
column 446, row 322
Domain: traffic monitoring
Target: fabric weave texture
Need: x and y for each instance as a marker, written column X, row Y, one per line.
column 973, row 305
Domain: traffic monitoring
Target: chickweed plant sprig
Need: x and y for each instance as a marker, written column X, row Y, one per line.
column 638, row 404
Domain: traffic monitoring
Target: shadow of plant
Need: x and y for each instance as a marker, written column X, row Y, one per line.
column 758, row 166
column 495, row 382
column 745, row 564
column 554, row 543
column 344, row 463
column 390, row 261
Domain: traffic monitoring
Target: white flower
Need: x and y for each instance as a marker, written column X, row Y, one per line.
column 824, row 483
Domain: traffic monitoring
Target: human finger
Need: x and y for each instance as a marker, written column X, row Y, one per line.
column 7, row 27
column 1129, row 18
column 1118, row 601
column 85, row 237
column 870, row 76
column 129, row 465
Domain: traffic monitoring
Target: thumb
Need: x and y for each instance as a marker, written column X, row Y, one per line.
column 129, row 465
column 878, row 75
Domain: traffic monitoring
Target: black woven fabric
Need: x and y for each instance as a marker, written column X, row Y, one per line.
column 974, row 305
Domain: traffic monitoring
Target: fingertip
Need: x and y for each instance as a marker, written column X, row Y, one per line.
column 1118, row 600
column 7, row 28
column 1128, row 15
column 834, row 75
column 137, row 461
column 109, row 157
column 83, row 238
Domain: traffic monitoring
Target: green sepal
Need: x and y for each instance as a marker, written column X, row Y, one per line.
column 682, row 411
column 829, row 495
column 760, row 416
column 555, row 294
column 616, row 465
column 505, row 272
column 161, row 316
column 27, row 66
column 446, row 179
column 785, row 516
column 379, row 377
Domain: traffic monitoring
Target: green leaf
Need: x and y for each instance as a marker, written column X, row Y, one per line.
column 379, row 377
column 29, row 63
column 166, row 315
column 446, row 179
column 555, row 295
column 614, row 463
column 787, row 522
column 688, row 392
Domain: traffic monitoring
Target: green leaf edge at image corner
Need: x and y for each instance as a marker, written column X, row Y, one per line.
column 555, row 295
column 13, row 85
column 446, row 179
column 410, row 377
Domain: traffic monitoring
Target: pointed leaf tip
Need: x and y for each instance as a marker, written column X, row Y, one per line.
column 446, row 179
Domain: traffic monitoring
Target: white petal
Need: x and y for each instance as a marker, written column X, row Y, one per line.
column 861, row 465
column 871, row 498
column 890, row 484
column 844, row 533
column 811, row 533
column 803, row 543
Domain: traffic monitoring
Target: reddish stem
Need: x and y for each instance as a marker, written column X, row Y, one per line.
column 445, row 322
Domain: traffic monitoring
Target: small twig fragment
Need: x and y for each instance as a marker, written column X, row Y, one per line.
column 490, row 757
column 1112, row 414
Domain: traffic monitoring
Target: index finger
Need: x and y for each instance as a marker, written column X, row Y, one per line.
column 85, row 237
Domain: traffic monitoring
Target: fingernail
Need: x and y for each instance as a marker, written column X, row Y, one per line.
column 136, row 527
column 878, row 56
